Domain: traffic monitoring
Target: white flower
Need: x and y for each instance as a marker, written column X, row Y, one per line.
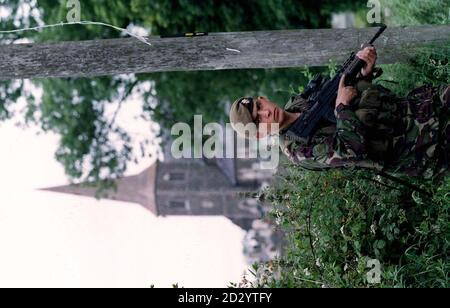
column 318, row 262
column 373, row 228
column 342, row 230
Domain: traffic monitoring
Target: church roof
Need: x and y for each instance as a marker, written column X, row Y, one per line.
column 228, row 168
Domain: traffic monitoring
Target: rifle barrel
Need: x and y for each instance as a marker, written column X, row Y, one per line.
column 377, row 35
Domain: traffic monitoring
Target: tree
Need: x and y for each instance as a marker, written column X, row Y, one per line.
column 74, row 108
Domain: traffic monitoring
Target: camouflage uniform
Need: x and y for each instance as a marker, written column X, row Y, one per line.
column 379, row 131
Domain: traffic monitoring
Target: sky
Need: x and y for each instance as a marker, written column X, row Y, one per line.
column 55, row 240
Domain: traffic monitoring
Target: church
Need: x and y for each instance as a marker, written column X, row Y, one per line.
column 219, row 186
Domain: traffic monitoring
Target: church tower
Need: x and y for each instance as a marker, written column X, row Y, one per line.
column 191, row 187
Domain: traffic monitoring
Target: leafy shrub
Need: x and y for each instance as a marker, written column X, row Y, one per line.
column 336, row 221
column 428, row 64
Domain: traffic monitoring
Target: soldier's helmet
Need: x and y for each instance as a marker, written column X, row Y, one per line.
column 241, row 117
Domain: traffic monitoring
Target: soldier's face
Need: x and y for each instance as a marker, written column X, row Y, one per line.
column 266, row 113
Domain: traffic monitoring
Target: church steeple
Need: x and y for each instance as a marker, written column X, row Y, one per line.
column 138, row 189
column 191, row 187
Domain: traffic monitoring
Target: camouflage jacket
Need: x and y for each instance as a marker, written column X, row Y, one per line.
column 379, row 131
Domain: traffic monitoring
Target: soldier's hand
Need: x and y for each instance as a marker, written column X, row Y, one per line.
column 345, row 93
column 368, row 55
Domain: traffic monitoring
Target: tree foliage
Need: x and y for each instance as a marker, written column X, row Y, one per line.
column 74, row 108
column 337, row 221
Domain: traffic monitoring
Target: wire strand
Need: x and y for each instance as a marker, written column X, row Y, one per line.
column 83, row 22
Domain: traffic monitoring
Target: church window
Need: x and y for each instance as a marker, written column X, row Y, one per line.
column 174, row 176
column 208, row 204
column 178, row 204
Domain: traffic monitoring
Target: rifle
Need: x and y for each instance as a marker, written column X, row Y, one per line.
column 321, row 94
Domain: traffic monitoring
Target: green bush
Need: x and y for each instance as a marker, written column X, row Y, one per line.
column 336, row 221
column 427, row 64
column 417, row 12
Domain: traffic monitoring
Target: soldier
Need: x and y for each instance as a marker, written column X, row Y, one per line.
column 374, row 128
